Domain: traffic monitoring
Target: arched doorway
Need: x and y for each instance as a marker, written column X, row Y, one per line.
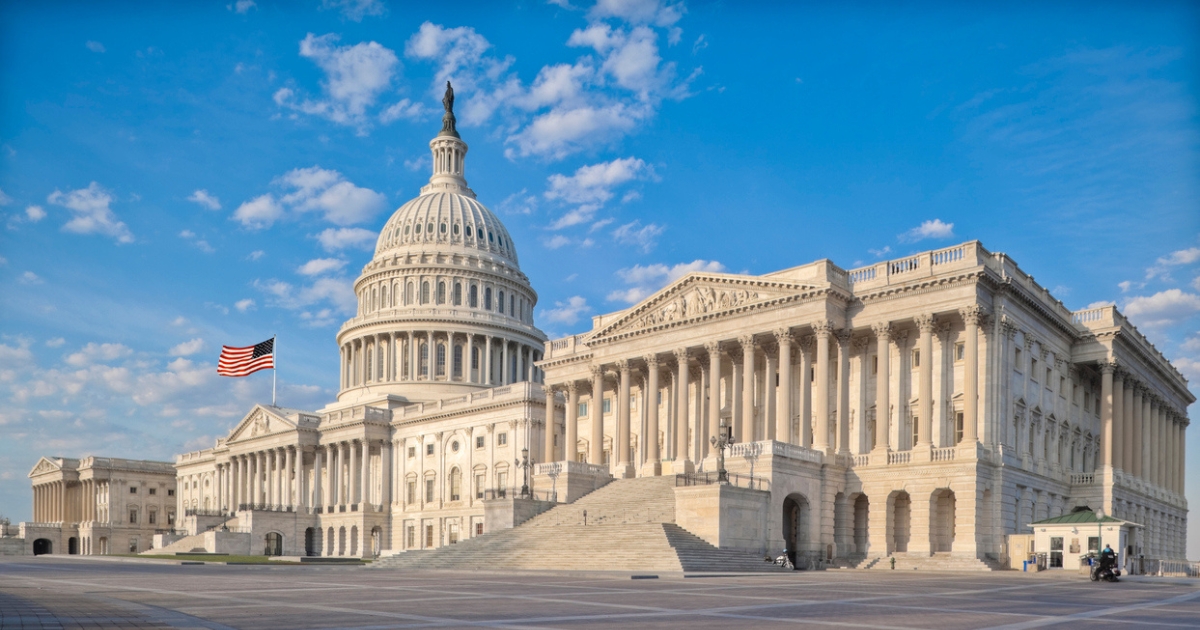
column 354, row 540
column 941, row 520
column 861, row 529
column 312, row 540
column 42, row 546
column 274, row 544
column 73, row 546
column 376, row 541
column 102, row 545
column 795, row 524
column 900, row 513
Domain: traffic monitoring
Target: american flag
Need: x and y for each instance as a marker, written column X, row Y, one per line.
column 248, row 360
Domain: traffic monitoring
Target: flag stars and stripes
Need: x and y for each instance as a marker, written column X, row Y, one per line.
column 247, row 360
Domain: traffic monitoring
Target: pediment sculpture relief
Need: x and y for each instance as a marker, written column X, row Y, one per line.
column 696, row 302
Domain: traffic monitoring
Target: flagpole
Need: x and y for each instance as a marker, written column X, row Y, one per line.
column 274, row 365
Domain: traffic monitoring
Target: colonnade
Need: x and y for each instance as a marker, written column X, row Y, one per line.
column 437, row 356
column 758, row 409
column 50, row 502
column 1142, row 435
column 325, row 477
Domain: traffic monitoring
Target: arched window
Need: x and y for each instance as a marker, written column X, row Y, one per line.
column 474, row 358
column 408, row 295
column 374, row 299
column 425, row 292
column 370, row 365
column 487, row 298
column 473, row 297
column 458, row 294
column 384, row 297
column 458, row 352
column 512, row 308
column 455, row 484
column 441, row 294
column 521, row 309
column 441, row 359
column 424, row 358
column 500, row 303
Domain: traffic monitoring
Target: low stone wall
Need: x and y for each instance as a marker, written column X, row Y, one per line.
column 233, row 543
column 726, row 516
column 13, row 546
column 501, row 514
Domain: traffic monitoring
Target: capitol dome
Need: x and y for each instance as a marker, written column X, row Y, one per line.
column 443, row 307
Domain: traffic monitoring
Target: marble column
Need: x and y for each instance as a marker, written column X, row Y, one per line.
column 653, row 465
column 486, row 364
column 505, row 372
column 925, row 429
column 289, row 471
column 364, row 487
column 548, row 448
column 388, row 471
column 571, row 440
column 596, row 445
column 748, row 360
column 735, row 395
column 683, row 463
column 353, row 491
column 883, row 381
column 821, row 396
column 971, row 316
column 318, row 488
column 767, row 395
column 1107, row 454
column 1119, row 420
column 804, row 404
column 1127, row 425
column 783, row 394
column 714, row 393
column 468, row 367
column 1137, row 442
column 843, row 390
column 621, row 446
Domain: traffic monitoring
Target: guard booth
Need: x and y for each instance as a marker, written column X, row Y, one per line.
column 1066, row 540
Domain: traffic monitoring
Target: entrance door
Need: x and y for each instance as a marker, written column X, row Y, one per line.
column 274, row 545
column 42, row 546
column 1056, row 552
column 310, row 542
column 73, row 546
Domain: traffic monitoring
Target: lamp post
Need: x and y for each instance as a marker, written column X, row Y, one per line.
column 525, row 465
column 723, row 438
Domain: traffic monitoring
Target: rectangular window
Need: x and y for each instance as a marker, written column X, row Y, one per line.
column 429, row 449
column 479, row 441
column 429, row 536
column 412, row 492
column 453, row 534
column 411, row 537
column 151, row 517
column 960, row 351
column 501, row 485
column 455, row 487
column 916, row 424
column 412, row 451
column 501, row 439
column 170, row 492
column 133, row 545
column 607, row 405
column 153, row 491
column 133, row 516
column 1093, row 544
column 1056, row 552
column 583, row 412
column 478, row 529
column 916, row 358
column 958, row 427
column 480, row 485
column 170, row 518
column 132, row 490
column 429, row 490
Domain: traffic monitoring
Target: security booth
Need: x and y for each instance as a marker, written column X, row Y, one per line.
column 1068, row 540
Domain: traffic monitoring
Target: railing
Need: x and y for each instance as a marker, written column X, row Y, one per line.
column 943, row 454
column 862, row 275
column 170, row 532
column 512, row 493
column 198, row 512
column 570, row 467
column 1170, row 568
column 899, row 457
column 568, row 514
column 262, row 507
column 1083, row 479
column 1091, row 314
column 710, row 478
column 861, row 460
column 944, row 256
column 237, row 529
column 904, row 265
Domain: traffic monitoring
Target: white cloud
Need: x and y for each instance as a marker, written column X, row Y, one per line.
column 98, row 353
column 337, row 292
column 1163, row 308
column 200, row 244
column 255, row 255
column 566, row 130
column 56, row 342
column 205, row 199
column 556, row 241
column 880, row 253
column 95, row 47
column 520, row 202
column 92, row 214
column 591, row 186
column 642, row 236
column 567, row 312
column 188, row 348
column 4, row 199
column 356, row 10
column 29, row 278
column 639, row 11
column 329, row 193
column 321, row 266
column 35, row 213
column 1162, row 266
column 244, row 305
column 355, row 77
column 646, row 279
column 259, row 213
column 241, row 6
column 405, row 109
column 1195, row 283
column 928, row 229
column 337, row 239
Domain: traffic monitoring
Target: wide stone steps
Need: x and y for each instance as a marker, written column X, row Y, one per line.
column 936, row 562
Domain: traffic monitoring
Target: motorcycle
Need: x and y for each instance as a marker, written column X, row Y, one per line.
column 1105, row 572
column 784, row 561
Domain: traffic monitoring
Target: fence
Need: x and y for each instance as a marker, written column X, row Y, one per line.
column 1169, row 568
column 709, row 478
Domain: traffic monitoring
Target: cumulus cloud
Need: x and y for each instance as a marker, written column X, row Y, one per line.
column 56, row 342
column 566, row 312
column 241, row 6
column 4, row 199
column 356, row 10
column 355, row 77
column 35, row 214
column 646, row 279
column 333, row 291
column 641, row 236
column 259, row 213
column 321, row 266
column 312, row 189
column 98, row 353
column 255, row 255
column 205, row 199
column 1162, row 266
column 188, row 348
column 338, row 239
column 200, row 243
column 244, row 305
column 1163, row 308
column 95, row 47
column 30, row 278
column 591, row 186
column 928, row 229
column 405, row 109
column 91, row 213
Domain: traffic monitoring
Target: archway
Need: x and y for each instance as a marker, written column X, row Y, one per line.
column 102, row 546
column 274, row 544
column 42, row 546
column 900, row 508
column 941, row 520
column 312, row 540
column 795, row 524
column 341, row 549
column 862, row 530
column 329, row 548
column 841, row 525
column 354, row 540
column 73, row 546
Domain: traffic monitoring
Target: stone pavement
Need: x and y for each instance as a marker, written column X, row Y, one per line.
column 49, row 592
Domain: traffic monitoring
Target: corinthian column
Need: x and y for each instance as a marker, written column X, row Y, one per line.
column 971, row 316
column 624, row 467
column 883, row 381
column 1119, row 420
column 653, row 465
column 823, row 330
column 1106, row 412
column 548, row 449
column 748, row 360
column 571, row 439
column 596, row 447
column 925, row 430
column 783, row 394
column 714, row 392
column 682, row 462
column 843, row 389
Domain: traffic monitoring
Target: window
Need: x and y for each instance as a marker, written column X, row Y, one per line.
column 170, row 517
column 491, row 237
column 474, row 358
column 1056, row 552
column 133, row 516
column 501, row 439
column 417, row 228
column 916, row 358
column 153, row 491
column 454, row 446
column 441, row 359
column 424, row 358
column 916, row 424
column 608, row 405
column 512, row 309
column 429, row 449
column 133, row 489
column 487, row 298
column 411, row 492
column 960, row 351
column 958, row 427
column 151, row 517
column 429, row 535
column 429, row 490
column 170, row 492
column 133, row 544
column 456, row 229
column 429, row 227
column 479, row 233
column 441, row 293
column 478, row 529
column 453, row 534
column 500, row 302
column 473, row 297
column 501, row 485
column 412, row 451
column 479, row 442
column 583, row 412
column 443, row 228
column 411, row 537
column 480, row 485
column 425, row 292
column 455, row 485
column 457, row 291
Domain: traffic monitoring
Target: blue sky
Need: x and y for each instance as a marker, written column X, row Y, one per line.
column 179, row 176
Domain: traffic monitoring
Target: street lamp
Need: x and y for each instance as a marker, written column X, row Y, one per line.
column 723, row 438
column 524, row 464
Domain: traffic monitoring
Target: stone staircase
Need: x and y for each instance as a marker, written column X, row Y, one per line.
column 194, row 543
column 630, row 527
column 936, row 562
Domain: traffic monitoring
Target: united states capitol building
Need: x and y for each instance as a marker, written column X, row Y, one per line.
column 924, row 408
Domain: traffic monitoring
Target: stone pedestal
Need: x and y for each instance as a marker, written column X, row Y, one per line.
column 567, row 481
column 726, row 516
column 232, row 543
column 509, row 512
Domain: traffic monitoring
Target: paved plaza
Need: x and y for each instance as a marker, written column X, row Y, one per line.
column 81, row 593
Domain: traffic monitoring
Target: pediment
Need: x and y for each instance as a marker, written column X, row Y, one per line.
column 259, row 422
column 700, row 296
column 43, row 466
